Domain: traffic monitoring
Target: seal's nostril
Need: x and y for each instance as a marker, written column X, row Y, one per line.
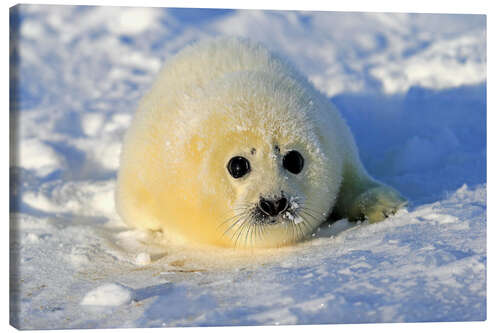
column 267, row 207
column 281, row 205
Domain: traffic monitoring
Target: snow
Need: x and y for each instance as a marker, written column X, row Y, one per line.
column 39, row 157
column 143, row 259
column 412, row 87
column 107, row 295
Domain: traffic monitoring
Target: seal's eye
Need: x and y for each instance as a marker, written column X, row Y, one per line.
column 293, row 162
column 238, row 166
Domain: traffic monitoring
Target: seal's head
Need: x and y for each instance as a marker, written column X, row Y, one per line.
column 254, row 169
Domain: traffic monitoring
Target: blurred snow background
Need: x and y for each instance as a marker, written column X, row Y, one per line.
column 412, row 87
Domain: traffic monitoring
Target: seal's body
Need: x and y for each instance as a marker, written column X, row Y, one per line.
column 233, row 147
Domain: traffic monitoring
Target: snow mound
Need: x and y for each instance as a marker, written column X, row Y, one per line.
column 143, row 259
column 107, row 295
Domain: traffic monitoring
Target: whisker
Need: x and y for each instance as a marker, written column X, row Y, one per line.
column 246, row 235
column 287, row 229
column 306, row 221
column 301, row 203
column 299, row 227
column 239, row 234
column 294, row 226
column 237, row 222
column 241, row 224
column 233, row 238
column 311, row 209
column 317, row 214
column 312, row 216
column 241, row 228
column 261, row 231
column 300, row 233
column 303, row 214
column 254, row 234
column 243, row 206
column 294, row 229
column 247, row 227
column 230, row 219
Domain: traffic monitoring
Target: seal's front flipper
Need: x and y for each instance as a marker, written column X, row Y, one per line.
column 375, row 204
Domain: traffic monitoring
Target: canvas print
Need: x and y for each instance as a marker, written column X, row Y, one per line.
column 221, row 167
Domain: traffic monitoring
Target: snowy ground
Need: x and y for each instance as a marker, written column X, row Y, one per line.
column 413, row 90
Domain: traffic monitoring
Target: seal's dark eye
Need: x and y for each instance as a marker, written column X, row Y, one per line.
column 293, row 162
column 238, row 166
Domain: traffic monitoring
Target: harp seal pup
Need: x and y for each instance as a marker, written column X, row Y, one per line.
column 233, row 147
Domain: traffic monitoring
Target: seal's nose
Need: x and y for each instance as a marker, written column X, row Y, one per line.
column 273, row 207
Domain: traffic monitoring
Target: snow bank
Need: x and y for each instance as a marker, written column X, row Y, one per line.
column 426, row 143
column 354, row 52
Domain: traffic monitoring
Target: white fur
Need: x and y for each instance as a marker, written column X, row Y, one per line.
column 221, row 98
